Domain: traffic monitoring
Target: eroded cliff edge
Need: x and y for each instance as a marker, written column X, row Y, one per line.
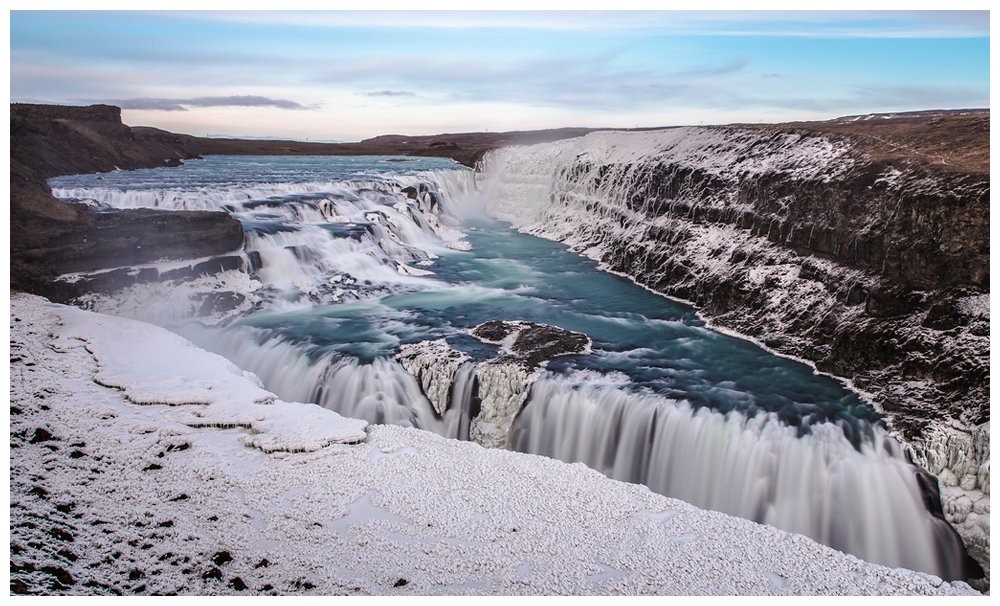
column 860, row 245
column 49, row 237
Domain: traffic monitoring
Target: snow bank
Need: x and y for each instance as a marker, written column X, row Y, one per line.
column 112, row 497
column 153, row 366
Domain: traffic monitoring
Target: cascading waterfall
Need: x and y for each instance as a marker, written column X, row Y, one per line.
column 379, row 392
column 463, row 402
column 865, row 501
column 312, row 241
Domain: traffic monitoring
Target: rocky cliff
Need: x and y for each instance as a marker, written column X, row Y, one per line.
column 861, row 245
column 50, row 237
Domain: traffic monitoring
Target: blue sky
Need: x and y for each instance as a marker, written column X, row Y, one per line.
column 356, row 74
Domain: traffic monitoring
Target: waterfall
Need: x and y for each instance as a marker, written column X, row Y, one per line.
column 314, row 241
column 464, row 403
column 380, row 392
column 865, row 501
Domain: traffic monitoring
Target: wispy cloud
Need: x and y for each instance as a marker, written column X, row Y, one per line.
column 922, row 97
column 389, row 93
column 175, row 105
column 731, row 67
column 597, row 81
column 900, row 98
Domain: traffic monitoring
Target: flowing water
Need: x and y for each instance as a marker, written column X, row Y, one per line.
column 356, row 257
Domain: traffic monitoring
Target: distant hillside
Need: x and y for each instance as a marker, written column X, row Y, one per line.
column 465, row 148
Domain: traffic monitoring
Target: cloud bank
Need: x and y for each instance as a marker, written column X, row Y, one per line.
column 180, row 105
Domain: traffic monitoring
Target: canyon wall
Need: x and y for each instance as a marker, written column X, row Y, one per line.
column 50, row 237
column 859, row 245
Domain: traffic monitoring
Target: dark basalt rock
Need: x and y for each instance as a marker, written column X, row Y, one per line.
column 531, row 343
column 50, row 237
column 142, row 236
column 945, row 315
column 123, row 277
column 220, row 302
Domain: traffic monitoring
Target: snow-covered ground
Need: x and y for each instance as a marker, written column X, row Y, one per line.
column 213, row 486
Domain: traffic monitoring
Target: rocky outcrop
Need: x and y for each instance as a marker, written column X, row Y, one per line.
column 530, row 343
column 434, row 364
column 500, row 384
column 56, row 140
column 50, row 237
column 860, row 246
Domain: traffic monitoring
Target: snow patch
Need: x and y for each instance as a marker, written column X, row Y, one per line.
column 155, row 367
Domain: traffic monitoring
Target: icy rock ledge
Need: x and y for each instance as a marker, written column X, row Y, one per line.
column 503, row 382
column 961, row 462
column 532, row 343
column 434, row 364
column 153, row 366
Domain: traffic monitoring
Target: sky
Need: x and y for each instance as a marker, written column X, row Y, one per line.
column 350, row 75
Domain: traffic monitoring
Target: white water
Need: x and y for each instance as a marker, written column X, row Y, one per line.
column 312, row 240
column 864, row 502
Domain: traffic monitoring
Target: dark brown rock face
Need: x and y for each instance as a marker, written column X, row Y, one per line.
column 896, row 261
column 50, row 237
column 63, row 140
column 141, row 236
